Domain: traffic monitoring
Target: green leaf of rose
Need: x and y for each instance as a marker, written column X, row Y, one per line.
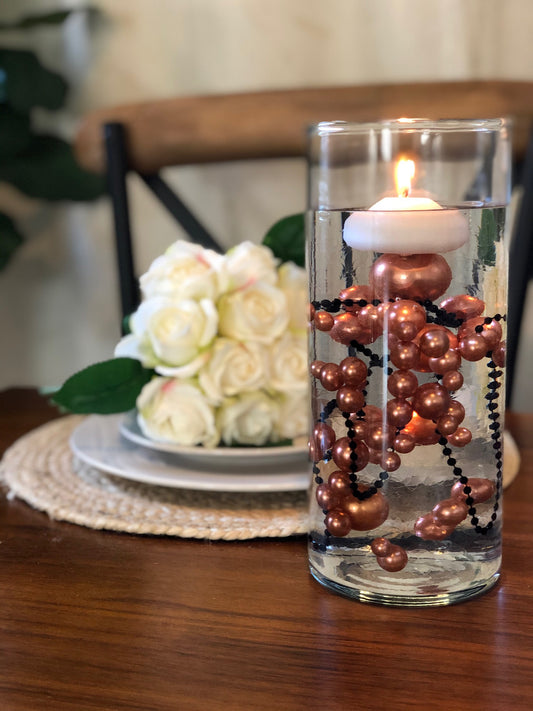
column 488, row 235
column 286, row 238
column 104, row 388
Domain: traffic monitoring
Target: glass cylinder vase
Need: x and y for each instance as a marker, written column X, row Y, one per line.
column 408, row 289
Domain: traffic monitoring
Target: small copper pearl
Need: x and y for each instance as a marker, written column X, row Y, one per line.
column 368, row 513
column 434, row 343
column 451, row 360
column 360, row 292
column 349, row 399
column 338, row 523
column 456, row 410
column 341, row 453
column 354, row 370
column 399, row 412
column 405, row 330
column 380, row 547
column 452, row 380
column 323, row 321
column 404, row 355
column 431, row 400
column 473, row 348
column 405, row 310
column 403, row 443
column 379, row 436
column 390, row 461
column 490, row 332
column 446, row 425
column 460, row 438
column 395, row 560
column 331, row 376
column 450, row 512
column 339, row 482
column 315, row 368
column 402, row 383
column 327, row 498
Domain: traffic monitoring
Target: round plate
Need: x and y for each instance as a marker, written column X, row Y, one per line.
column 97, row 441
column 236, row 456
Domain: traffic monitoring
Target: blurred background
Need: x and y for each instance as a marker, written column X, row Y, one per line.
column 58, row 292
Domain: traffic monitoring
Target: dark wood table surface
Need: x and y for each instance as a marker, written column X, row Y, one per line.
column 100, row 620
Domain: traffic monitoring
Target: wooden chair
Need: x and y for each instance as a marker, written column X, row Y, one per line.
column 148, row 136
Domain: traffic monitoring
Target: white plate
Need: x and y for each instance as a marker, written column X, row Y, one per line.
column 234, row 456
column 97, row 442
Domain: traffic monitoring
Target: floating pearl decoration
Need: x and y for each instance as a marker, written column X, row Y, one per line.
column 342, row 451
column 395, row 560
column 430, row 530
column 355, row 293
column 379, row 436
column 491, row 332
column 481, row 490
column 354, row 370
column 349, row 399
column 315, row 368
column 463, row 306
column 327, row 498
column 451, row 360
column 347, row 328
column 339, row 482
column 460, row 438
column 390, row 461
column 452, row 380
column 331, row 376
column 366, row 514
column 446, row 424
column 323, row 321
column 434, row 342
column 399, row 412
column 473, row 347
column 431, row 400
column 456, row 410
column 380, row 547
column 412, row 276
column 405, row 311
column 499, row 354
column 402, row 383
column 372, row 414
column 404, row 355
column 338, row 523
column 450, row 512
column 322, row 439
column 360, row 429
column 405, row 330
column 403, row 443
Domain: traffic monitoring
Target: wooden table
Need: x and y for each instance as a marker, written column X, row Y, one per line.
column 96, row 620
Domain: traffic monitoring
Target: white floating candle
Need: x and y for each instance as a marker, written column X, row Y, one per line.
column 406, row 224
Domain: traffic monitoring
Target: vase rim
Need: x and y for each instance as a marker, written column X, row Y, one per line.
column 458, row 125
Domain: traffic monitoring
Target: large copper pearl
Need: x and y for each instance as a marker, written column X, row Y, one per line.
column 463, row 306
column 338, row 523
column 481, row 490
column 341, row 455
column 368, row 513
column 413, row 276
column 394, row 561
column 431, row 400
column 450, row 512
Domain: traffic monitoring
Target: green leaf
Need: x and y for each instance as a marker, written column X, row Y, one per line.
column 15, row 134
column 10, row 239
column 104, row 388
column 286, row 238
column 27, row 83
column 487, row 238
column 48, row 170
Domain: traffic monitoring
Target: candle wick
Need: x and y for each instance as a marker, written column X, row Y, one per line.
column 404, row 192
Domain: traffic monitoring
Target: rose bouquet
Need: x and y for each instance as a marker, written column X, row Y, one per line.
column 216, row 353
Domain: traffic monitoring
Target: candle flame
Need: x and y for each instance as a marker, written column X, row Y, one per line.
column 405, row 172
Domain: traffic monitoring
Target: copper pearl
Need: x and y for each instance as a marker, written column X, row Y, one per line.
column 433, row 327
column 481, row 490
column 347, row 328
column 405, row 310
column 460, row 438
column 446, row 425
column 360, row 292
column 499, row 354
column 379, row 436
column 399, row 412
column 395, row 560
column 354, row 370
column 390, row 461
column 338, row 523
column 341, row 455
column 405, row 330
column 360, row 429
column 323, row 321
column 380, row 547
column 473, row 348
column 452, row 380
column 451, row 360
column 331, row 376
column 434, row 342
column 413, row 276
column 403, row 443
column 404, row 355
column 491, row 332
column 372, row 414
column 368, row 513
column 339, row 482
column 322, row 439
column 463, row 306
column 431, row 400
column 402, row 383
column 327, row 498
column 456, row 410
column 315, row 368
column 450, row 512
column 430, row 530
column 349, row 399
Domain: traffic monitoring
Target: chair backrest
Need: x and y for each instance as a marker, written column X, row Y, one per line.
column 148, row 136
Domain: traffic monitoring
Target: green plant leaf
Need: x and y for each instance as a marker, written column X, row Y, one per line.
column 487, row 238
column 104, row 388
column 10, row 239
column 286, row 238
column 48, row 170
column 27, row 83
column 15, row 134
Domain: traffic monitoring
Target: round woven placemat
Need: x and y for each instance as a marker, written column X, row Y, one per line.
column 41, row 469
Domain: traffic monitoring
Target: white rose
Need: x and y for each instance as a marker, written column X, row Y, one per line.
column 256, row 313
column 171, row 410
column 185, row 271
column 248, row 263
column 288, row 365
column 293, row 416
column 292, row 280
column 233, row 367
column 176, row 333
column 248, row 419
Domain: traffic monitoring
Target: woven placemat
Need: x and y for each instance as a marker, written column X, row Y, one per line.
column 41, row 469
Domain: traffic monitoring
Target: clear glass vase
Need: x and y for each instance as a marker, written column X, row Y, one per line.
column 408, row 285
